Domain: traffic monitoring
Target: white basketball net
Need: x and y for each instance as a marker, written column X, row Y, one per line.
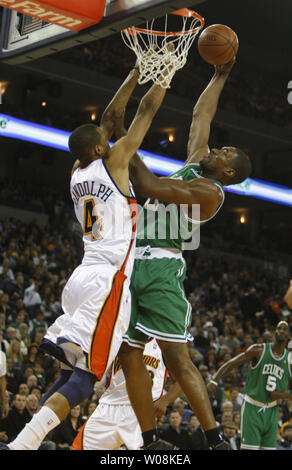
column 160, row 53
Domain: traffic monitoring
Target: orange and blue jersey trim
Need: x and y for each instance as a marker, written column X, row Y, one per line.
column 102, row 336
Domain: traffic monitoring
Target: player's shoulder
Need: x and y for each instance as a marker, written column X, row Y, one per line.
column 255, row 349
column 91, row 167
column 210, row 189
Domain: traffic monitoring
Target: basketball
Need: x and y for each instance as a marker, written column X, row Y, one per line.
column 218, row 44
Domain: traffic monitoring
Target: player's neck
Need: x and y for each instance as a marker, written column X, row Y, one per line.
column 278, row 349
column 211, row 175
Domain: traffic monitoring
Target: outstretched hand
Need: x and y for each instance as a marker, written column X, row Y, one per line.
column 225, row 68
column 211, row 387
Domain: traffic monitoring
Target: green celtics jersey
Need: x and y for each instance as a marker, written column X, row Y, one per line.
column 270, row 374
column 167, row 225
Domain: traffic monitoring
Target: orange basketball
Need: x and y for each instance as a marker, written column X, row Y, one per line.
column 218, row 44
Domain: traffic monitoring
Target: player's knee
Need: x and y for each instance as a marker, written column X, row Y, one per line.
column 78, row 387
column 176, row 356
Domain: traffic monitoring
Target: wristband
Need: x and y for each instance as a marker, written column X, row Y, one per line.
column 213, row 382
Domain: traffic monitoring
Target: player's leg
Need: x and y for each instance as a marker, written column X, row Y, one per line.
column 135, row 372
column 128, row 428
column 77, row 388
column 181, row 367
column 250, row 427
column 100, row 432
column 270, row 428
column 134, row 369
column 164, row 313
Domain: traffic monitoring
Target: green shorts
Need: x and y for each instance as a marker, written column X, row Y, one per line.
column 258, row 427
column 160, row 308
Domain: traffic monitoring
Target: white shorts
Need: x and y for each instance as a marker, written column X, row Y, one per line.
column 108, row 428
column 97, row 306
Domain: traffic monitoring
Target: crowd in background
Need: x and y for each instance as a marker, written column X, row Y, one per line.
column 232, row 308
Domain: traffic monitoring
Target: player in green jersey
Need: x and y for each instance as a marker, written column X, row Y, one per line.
column 159, row 305
column 267, row 381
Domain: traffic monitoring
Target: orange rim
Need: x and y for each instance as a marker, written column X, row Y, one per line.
column 185, row 12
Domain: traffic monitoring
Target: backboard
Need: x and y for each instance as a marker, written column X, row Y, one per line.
column 24, row 38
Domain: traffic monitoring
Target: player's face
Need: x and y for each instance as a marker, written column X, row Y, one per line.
column 282, row 333
column 218, row 158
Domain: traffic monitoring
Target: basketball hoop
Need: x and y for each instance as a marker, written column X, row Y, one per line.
column 161, row 53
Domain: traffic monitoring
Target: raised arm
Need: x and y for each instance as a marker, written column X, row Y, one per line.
column 198, row 191
column 252, row 354
column 124, row 149
column 116, row 108
column 146, row 184
column 119, row 102
column 204, row 112
column 288, row 295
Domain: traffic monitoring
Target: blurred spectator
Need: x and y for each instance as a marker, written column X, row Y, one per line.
column 3, row 394
column 23, row 389
column 36, row 391
column 14, row 353
column 31, row 381
column 31, row 297
column 32, row 404
column 197, row 438
column 24, row 338
column 32, row 354
column 17, row 417
column 236, row 398
column 180, row 406
column 286, row 423
column 89, row 407
column 285, row 442
column 37, row 323
column 174, row 432
column 230, row 434
column 65, row 433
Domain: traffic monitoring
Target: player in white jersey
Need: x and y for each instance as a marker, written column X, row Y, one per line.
column 114, row 423
column 96, row 299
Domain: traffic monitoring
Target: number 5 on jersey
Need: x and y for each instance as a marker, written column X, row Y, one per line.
column 271, row 384
column 92, row 224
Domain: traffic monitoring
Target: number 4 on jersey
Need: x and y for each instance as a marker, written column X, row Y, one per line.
column 92, row 224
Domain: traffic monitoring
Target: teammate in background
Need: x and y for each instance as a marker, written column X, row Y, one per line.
column 267, row 380
column 96, row 299
column 159, row 305
column 288, row 295
column 114, row 423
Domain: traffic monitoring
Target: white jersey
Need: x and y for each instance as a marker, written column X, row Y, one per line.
column 116, row 392
column 96, row 299
column 114, row 422
column 106, row 215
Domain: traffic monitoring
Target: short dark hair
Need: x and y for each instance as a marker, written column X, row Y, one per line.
column 242, row 165
column 82, row 140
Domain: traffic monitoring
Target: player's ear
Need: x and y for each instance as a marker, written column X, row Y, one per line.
column 98, row 150
column 229, row 172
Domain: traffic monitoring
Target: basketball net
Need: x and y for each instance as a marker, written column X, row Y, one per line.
column 161, row 53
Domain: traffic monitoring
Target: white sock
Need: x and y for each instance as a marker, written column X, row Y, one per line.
column 30, row 438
